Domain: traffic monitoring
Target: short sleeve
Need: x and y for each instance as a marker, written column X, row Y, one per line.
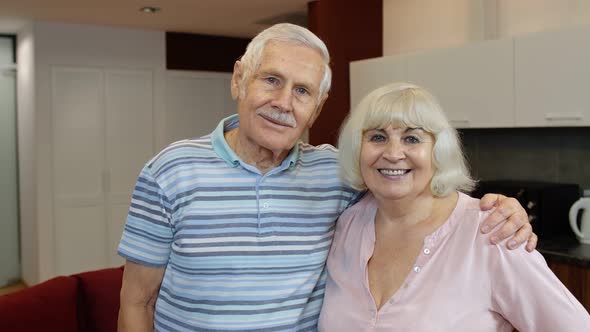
column 528, row 294
column 147, row 236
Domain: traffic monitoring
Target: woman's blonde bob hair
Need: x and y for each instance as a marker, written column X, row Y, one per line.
column 408, row 105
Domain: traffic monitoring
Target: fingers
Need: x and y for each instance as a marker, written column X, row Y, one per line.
column 515, row 222
column 514, row 225
column 508, row 209
column 488, row 201
column 532, row 242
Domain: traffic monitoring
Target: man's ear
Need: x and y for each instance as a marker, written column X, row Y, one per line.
column 318, row 110
column 236, row 80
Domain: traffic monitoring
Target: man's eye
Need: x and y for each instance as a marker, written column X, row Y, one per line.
column 412, row 140
column 271, row 80
column 301, row 91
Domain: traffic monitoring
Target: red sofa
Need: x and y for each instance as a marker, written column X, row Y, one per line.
column 82, row 302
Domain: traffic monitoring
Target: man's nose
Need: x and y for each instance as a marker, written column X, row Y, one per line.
column 283, row 99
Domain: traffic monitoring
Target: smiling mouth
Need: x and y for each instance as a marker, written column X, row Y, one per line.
column 393, row 172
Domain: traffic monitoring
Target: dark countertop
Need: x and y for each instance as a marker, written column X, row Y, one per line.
column 565, row 249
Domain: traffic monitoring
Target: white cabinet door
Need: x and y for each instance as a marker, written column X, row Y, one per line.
column 367, row 75
column 552, row 78
column 103, row 134
column 129, row 145
column 474, row 83
column 195, row 103
column 78, row 169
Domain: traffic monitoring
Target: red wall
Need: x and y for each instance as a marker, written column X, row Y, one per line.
column 352, row 30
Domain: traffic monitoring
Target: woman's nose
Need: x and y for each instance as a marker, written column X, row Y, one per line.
column 395, row 150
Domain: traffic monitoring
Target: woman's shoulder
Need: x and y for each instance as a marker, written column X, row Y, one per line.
column 469, row 211
column 470, row 217
column 358, row 212
column 466, row 219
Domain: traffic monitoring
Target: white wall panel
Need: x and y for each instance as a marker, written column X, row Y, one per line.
column 80, row 237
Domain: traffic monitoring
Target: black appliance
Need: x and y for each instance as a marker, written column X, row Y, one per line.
column 546, row 203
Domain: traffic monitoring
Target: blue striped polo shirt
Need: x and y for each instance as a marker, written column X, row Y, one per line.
column 243, row 251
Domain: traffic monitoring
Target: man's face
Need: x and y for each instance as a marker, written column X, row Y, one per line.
column 281, row 97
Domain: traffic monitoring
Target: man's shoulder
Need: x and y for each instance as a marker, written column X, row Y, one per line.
column 318, row 151
column 195, row 149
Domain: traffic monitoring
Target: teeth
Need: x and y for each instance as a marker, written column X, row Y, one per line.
column 392, row 171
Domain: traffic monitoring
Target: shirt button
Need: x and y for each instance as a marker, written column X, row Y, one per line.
column 417, row 269
column 265, row 205
column 427, row 251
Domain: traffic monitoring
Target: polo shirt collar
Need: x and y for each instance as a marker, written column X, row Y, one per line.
column 223, row 150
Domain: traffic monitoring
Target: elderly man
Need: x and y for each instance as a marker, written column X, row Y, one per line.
column 230, row 232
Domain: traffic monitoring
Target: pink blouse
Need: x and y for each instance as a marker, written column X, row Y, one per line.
column 459, row 282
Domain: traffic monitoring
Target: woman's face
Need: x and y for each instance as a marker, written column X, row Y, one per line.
column 396, row 162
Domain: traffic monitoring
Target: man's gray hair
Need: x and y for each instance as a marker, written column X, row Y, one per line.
column 288, row 33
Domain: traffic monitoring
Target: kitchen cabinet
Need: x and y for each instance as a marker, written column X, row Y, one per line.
column 552, row 76
column 534, row 80
column 473, row 83
column 367, row 75
column 575, row 277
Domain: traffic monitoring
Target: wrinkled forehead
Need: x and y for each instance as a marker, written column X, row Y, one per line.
column 294, row 61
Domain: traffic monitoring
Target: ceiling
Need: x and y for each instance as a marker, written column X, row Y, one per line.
column 236, row 18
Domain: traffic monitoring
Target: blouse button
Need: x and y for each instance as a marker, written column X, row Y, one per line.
column 265, row 205
column 417, row 269
column 427, row 251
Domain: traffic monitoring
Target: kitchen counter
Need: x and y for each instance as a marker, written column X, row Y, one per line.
column 565, row 250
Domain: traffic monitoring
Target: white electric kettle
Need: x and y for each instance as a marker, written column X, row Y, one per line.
column 582, row 232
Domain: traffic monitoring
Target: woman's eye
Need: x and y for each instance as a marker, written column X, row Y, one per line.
column 377, row 138
column 412, row 139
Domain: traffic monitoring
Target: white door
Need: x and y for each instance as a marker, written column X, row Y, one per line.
column 129, row 145
column 78, row 169
column 103, row 134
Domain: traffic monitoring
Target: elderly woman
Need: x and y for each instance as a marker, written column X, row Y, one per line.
column 409, row 256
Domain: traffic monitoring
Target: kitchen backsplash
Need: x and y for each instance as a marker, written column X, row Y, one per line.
column 544, row 154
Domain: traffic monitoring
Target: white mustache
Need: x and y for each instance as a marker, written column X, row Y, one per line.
column 284, row 118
